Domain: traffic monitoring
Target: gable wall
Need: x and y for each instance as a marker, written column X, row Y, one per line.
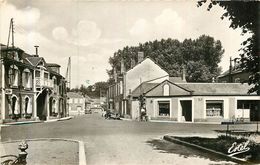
column 145, row 71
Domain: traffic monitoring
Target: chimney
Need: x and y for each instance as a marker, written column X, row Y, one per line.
column 122, row 66
column 36, row 51
column 183, row 73
column 115, row 75
column 140, row 56
column 132, row 63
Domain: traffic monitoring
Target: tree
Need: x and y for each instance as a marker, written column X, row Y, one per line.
column 244, row 15
column 172, row 55
column 94, row 91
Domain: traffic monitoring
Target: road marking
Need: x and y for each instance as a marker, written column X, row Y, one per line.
column 82, row 155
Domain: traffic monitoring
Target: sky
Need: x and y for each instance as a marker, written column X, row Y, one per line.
column 90, row 31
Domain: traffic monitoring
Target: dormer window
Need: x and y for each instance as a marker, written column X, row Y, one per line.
column 166, row 90
column 13, row 76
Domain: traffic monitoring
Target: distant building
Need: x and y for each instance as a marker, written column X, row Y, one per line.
column 77, row 103
column 235, row 74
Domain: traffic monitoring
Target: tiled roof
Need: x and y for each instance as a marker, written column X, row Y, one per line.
column 34, row 60
column 52, row 65
column 206, row 89
column 143, row 88
column 216, row 88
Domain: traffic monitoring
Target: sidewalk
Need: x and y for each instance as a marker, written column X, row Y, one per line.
column 31, row 122
column 45, row 151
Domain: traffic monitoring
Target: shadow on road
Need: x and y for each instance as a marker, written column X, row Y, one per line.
column 164, row 146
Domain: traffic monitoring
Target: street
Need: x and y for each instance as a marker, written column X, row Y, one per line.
column 121, row 142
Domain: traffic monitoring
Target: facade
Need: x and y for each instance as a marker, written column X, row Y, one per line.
column 77, row 103
column 31, row 89
column 197, row 102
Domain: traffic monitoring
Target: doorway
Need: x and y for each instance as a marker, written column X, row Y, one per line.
column 186, row 108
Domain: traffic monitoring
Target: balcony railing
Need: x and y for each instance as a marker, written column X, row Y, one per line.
column 41, row 82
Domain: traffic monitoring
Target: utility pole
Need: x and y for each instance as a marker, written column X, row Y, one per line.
column 68, row 74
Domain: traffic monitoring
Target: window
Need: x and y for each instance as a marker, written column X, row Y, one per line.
column 214, row 108
column 164, row 108
column 37, row 73
column 46, row 76
column 13, row 76
column 27, row 78
column 27, row 113
column 243, row 104
column 166, row 90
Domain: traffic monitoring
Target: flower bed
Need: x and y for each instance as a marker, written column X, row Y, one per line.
column 229, row 145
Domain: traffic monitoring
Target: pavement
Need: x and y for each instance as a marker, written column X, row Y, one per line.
column 45, row 151
column 119, row 141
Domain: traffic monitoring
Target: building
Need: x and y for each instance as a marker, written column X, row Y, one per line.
column 119, row 94
column 196, row 102
column 31, row 89
column 235, row 74
column 77, row 103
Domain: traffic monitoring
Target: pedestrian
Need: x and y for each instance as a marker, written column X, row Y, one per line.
column 143, row 114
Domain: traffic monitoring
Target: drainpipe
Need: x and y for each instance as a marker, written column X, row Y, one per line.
column 3, row 89
column 34, row 96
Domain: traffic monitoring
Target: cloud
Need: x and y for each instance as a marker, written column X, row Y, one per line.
column 141, row 26
column 167, row 24
column 85, row 33
column 60, row 33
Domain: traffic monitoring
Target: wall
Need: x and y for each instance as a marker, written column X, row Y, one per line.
column 144, row 71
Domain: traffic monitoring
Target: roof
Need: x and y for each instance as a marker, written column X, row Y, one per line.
column 233, row 71
column 74, row 95
column 53, row 65
column 147, row 57
column 216, row 88
column 176, row 79
column 199, row 89
column 34, row 60
column 143, row 88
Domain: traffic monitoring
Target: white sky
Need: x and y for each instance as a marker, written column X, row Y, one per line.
column 91, row 31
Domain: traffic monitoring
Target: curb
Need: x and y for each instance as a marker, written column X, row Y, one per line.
column 82, row 155
column 21, row 122
column 232, row 158
column 178, row 122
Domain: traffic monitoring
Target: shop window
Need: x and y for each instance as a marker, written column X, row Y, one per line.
column 214, row 108
column 243, row 104
column 164, row 108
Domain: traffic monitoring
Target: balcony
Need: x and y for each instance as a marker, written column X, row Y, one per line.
column 41, row 82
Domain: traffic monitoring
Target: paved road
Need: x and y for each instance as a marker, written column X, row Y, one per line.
column 120, row 142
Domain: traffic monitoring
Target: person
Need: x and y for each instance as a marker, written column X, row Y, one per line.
column 143, row 114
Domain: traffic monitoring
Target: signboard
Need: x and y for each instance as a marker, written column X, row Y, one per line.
column 8, row 91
